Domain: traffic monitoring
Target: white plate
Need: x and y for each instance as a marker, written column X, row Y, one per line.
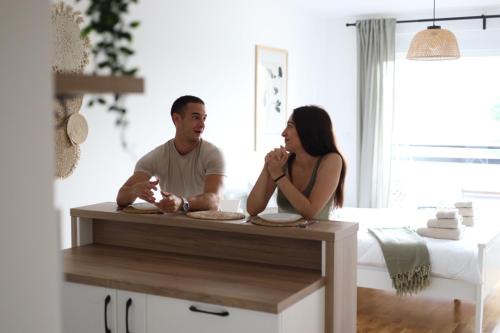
column 280, row 217
column 144, row 206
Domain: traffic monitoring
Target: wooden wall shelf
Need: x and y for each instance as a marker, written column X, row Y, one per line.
column 77, row 84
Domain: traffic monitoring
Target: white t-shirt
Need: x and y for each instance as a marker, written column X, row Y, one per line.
column 182, row 175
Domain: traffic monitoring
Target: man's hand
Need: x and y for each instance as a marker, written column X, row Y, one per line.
column 170, row 203
column 144, row 190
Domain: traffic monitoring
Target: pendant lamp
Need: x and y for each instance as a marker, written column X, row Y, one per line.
column 433, row 43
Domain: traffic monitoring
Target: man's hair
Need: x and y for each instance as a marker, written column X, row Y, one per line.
column 180, row 104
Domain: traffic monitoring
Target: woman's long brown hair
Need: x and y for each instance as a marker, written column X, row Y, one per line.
column 315, row 131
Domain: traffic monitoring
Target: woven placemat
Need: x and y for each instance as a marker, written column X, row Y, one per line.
column 257, row 220
column 142, row 208
column 216, row 215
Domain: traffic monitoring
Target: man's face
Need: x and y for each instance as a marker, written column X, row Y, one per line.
column 190, row 126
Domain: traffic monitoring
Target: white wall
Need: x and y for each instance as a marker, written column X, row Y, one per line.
column 342, row 83
column 30, row 271
column 204, row 48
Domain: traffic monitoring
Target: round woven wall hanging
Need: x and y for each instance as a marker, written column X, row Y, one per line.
column 65, row 107
column 77, row 129
column 71, row 55
column 71, row 51
column 67, row 154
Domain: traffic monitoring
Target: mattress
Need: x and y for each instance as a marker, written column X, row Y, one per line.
column 452, row 259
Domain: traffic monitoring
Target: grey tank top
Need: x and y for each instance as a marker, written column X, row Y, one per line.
column 285, row 206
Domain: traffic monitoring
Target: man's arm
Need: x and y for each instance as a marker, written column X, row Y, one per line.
column 137, row 186
column 208, row 200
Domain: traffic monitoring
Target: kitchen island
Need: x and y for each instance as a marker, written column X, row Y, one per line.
column 171, row 273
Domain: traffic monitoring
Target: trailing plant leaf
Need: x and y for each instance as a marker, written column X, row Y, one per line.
column 126, row 50
column 103, row 64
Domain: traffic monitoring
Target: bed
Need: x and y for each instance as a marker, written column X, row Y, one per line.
column 467, row 269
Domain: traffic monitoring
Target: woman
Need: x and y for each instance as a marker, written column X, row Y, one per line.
column 309, row 171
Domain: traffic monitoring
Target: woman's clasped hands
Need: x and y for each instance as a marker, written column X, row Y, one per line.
column 275, row 161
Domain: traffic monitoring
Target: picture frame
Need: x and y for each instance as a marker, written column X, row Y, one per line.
column 271, row 94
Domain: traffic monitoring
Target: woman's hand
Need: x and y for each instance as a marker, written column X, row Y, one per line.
column 275, row 161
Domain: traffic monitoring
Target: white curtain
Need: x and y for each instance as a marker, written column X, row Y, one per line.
column 376, row 55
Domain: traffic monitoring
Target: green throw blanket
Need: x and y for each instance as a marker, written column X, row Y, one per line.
column 407, row 258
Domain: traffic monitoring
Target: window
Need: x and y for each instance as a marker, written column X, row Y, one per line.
column 446, row 135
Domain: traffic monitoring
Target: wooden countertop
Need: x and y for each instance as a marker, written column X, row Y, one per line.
column 322, row 230
column 260, row 287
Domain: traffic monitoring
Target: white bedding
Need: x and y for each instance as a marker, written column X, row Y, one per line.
column 449, row 258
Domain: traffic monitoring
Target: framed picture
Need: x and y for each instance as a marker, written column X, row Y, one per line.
column 271, row 76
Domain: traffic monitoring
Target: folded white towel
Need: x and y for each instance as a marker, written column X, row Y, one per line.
column 463, row 204
column 449, row 213
column 453, row 234
column 443, row 223
column 466, row 211
column 468, row 221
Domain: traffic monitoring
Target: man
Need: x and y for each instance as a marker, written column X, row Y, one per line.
column 189, row 170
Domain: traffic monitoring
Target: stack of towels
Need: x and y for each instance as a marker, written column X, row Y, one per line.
column 467, row 211
column 446, row 225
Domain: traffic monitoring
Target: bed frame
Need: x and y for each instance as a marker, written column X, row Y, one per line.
column 489, row 270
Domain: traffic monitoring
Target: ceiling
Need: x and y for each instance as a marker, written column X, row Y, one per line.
column 346, row 8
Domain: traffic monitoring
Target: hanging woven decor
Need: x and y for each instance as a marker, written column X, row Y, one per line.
column 67, row 153
column 66, row 107
column 71, row 51
column 77, row 129
column 70, row 55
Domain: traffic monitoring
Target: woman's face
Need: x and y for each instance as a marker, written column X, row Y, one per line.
column 292, row 140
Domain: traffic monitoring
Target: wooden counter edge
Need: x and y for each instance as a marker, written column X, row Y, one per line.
column 274, row 308
column 301, row 294
column 321, row 230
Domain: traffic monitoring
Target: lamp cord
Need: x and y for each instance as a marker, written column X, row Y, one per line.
column 434, row 14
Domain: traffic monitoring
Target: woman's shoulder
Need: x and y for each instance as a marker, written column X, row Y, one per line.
column 332, row 157
column 331, row 160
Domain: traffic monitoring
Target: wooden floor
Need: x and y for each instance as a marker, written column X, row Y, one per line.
column 384, row 312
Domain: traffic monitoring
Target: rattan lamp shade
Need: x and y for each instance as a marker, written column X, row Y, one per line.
column 433, row 43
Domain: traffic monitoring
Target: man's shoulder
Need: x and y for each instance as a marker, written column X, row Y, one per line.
column 159, row 151
column 164, row 147
column 207, row 146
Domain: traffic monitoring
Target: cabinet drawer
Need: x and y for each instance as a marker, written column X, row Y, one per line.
column 87, row 309
column 166, row 315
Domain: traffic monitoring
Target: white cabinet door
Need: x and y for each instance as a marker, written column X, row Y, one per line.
column 88, row 309
column 131, row 312
column 168, row 315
